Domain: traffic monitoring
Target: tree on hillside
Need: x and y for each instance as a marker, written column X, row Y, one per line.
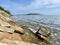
column 1, row 8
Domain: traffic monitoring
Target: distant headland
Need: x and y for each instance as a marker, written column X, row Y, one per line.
column 33, row 14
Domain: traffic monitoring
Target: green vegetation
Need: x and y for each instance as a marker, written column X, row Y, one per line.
column 1, row 8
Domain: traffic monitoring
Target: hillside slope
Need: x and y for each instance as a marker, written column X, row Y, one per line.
column 12, row 34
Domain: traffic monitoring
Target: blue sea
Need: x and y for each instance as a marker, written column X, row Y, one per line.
column 52, row 21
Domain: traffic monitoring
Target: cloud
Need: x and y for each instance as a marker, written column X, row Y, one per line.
column 37, row 4
column 34, row 6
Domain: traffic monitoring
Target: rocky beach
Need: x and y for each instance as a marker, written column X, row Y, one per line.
column 13, row 32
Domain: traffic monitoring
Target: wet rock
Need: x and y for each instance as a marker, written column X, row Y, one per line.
column 44, row 31
column 43, row 34
column 30, row 39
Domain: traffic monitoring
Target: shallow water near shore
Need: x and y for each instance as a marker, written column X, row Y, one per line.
column 49, row 21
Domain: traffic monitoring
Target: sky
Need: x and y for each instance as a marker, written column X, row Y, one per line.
column 47, row 7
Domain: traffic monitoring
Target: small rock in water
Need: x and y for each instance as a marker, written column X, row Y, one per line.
column 44, row 31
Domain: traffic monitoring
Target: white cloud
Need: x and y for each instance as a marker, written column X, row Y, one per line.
column 55, row 1
column 36, row 4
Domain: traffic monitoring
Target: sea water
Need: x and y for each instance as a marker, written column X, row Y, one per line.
column 52, row 21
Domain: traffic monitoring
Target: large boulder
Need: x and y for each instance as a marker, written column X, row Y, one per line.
column 43, row 31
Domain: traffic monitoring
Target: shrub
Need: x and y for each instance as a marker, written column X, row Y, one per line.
column 1, row 8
